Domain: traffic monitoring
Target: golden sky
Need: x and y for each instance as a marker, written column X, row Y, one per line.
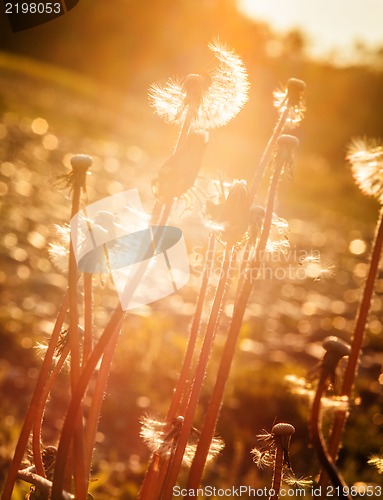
column 329, row 24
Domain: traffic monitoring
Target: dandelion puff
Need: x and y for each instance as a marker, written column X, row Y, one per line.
column 59, row 248
column 296, row 481
column 213, row 100
column 376, row 461
column 216, row 446
column 366, row 159
column 262, row 458
column 161, row 437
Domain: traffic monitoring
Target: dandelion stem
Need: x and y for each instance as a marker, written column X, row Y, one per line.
column 88, row 316
column 180, row 391
column 200, row 372
column 37, row 425
column 357, row 340
column 111, row 330
column 109, row 336
column 41, row 482
column 186, row 366
column 319, row 442
column 97, row 399
column 208, row 430
column 277, row 472
column 278, row 129
column 78, row 444
column 34, row 405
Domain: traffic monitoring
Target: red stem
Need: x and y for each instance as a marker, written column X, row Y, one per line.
column 35, row 404
column 211, row 329
column 357, row 340
column 208, row 430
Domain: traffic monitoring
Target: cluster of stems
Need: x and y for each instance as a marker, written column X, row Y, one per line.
column 91, row 354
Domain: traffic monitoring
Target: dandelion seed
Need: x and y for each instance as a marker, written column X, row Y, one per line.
column 212, row 100
column 161, row 438
column 59, row 249
column 298, row 482
column 262, row 458
column 366, row 159
column 377, row 461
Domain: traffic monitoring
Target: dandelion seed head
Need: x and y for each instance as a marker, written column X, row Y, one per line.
column 366, row 159
column 213, row 100
column 292, row 98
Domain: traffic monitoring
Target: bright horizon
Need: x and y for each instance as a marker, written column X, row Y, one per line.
column 330, row 25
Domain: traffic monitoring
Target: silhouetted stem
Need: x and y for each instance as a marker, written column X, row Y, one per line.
column 357, row 340
column 40, row 482
column 79, row 473
column 200, row 372
column 110, row 335
column 208, row 429
column 277, row 472
column 111, row 330
column 88, row 316
column 97, row 399
column 37, row 425
column 319, row 442
column 34, row 405
column 158, row 474
column 186, row 366
column 258, row 176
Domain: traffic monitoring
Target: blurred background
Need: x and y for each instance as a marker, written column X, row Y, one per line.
column 79, row 84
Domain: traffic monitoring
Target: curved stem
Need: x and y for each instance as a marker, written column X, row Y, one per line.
column 41, row 482
column 199, row 377
column 319, row 442
column 37, row 425
column 357, row 340
column 34, row 405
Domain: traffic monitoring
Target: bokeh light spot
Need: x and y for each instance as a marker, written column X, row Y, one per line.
column 357, row 247
column 39, row 126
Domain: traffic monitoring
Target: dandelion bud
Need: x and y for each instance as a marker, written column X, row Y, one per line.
column 231, row 218
column 195, row 85
column 80, row 165
column 81, row 162
column 282, row 433
column 179, row 172
column 336, row 349
column 295, row 90
column 283, row 429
